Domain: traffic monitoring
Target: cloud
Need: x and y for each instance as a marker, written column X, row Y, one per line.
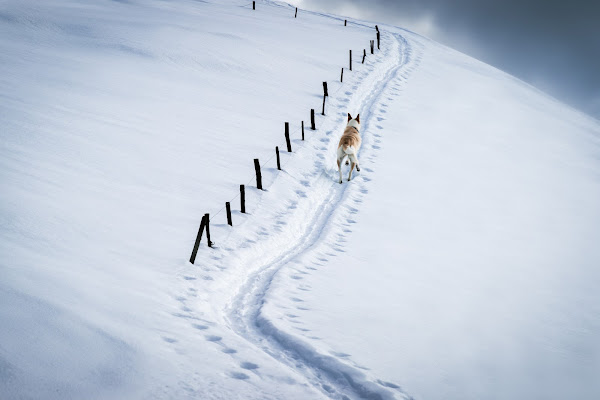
column 552, row 44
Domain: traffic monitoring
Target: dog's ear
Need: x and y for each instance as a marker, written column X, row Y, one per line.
column 358, row 118
column 349, row 117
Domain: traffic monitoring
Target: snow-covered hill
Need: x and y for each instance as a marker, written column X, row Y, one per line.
column 460, row 263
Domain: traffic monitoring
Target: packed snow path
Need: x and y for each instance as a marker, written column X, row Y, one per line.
column 323, row 213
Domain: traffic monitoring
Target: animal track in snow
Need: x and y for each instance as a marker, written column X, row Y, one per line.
column 239, row 375
column 228, row 350
column 248, row 365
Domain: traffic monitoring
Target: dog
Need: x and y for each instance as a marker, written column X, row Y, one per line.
column 349, row 145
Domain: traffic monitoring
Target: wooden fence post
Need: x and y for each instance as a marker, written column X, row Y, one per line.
column 296, row 15
column 372, row 43
column 345, row 22
column 198, row 237
column 207, row 223
column 364, row 55
column 342, row 76
column 350, row 60
column 277, row 153
column 243, row 199
column 258, row 175
column 325, row 94
column 228, row 209
column 302, row 130
column 376, row 28
column 312, row 119
column 254, row 5
column 287, row 137
column 377, row 40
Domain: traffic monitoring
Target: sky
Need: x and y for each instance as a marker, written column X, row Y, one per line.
column 553, row 45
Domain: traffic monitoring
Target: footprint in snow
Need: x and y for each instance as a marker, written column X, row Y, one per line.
column 248, row 365
column 213, row 338
column 239, row 375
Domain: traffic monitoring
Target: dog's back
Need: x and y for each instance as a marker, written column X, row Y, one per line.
column 350, row 138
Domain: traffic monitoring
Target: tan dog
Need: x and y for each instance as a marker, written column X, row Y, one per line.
column 349, row 145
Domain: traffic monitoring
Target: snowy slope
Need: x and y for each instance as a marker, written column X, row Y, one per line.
column 459, row 263
column 465, row 266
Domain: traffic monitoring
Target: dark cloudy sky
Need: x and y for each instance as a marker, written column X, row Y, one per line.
column 554, row 45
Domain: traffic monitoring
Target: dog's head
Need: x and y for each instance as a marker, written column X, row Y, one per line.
column 354, row 122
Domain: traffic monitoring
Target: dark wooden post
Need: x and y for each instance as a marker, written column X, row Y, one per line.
column 377, row 40
column 376, row 28
column 277, row 153
column 207, row 223
column 287, row 137
column 312, row 119
column 342, row 76
column 254, row 5
column 258, row 175
column 325, row 94
column 228, row 209
column 345, row 22
column 243, row 199
column 198, row 237
column 350, row 60
column 372, row 43
column 364, row 55
column 302, row 130
column 296, row 15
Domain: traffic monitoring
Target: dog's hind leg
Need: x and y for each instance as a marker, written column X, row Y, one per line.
column 354, row 160
column 351, row 168
column 339, row 169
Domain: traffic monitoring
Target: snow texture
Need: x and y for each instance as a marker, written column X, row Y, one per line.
column 461, row 262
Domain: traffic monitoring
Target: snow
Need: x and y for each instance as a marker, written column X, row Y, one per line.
column 461, row 262
column 471, row 268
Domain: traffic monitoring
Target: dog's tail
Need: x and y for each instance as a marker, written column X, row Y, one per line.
column 349, row 149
